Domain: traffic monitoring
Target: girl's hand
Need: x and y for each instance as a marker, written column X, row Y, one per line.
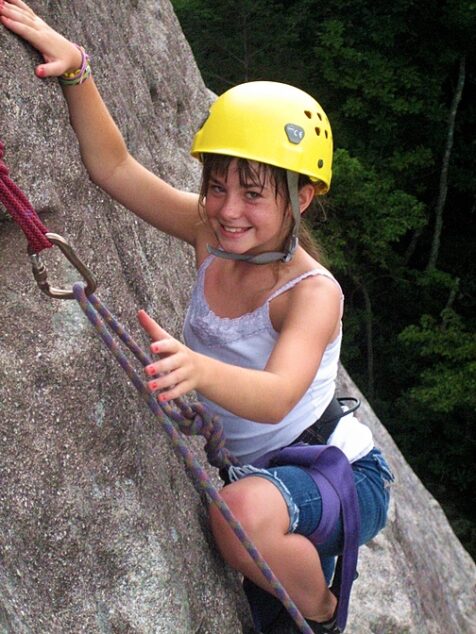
column 60, row 54
column 177, row 371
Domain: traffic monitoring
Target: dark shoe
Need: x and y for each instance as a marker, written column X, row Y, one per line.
column 328, row 627
column 284, row 624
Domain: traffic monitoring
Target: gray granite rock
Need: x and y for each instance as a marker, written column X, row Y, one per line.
column 101, row 529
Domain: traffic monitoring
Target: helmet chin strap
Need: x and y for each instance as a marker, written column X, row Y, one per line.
column 272, row 256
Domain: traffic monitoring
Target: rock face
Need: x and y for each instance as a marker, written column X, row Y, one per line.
column 101, row 530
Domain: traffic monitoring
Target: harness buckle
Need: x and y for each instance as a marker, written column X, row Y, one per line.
column 40, row 272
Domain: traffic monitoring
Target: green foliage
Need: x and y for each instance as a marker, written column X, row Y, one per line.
column 448, row 380
column 367, row 214
column 389, row 98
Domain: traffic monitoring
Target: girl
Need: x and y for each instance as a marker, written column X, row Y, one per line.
column 263, row 329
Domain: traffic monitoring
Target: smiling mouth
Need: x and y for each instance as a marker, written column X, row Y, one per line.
column 234, row 229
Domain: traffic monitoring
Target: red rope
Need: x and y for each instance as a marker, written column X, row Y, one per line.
column 21, row 210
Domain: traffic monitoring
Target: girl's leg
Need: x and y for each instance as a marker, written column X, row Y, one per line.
column 262, row 511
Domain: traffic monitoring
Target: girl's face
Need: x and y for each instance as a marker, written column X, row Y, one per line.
column 246, row 215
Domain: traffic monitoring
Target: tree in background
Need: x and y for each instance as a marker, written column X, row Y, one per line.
column 395, row 79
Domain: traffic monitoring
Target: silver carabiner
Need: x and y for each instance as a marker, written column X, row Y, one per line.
column 41, row 274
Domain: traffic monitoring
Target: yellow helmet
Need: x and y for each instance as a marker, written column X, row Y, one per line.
column 271, row 123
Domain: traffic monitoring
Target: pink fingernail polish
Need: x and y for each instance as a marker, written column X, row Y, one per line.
column 154, row 347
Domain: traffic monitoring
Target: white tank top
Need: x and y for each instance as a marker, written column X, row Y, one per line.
column 248, row 341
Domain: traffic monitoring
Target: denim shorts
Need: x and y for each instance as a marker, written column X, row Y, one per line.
column 372, row 477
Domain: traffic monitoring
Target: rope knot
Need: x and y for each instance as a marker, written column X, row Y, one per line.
column 193, row 419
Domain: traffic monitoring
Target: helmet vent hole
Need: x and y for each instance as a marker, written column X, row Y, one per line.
column 319, row 115
column 308, row 114
column 327, row 134
column 318, row 131
column 320, row 163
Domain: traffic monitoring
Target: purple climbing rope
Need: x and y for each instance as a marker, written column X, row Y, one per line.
column 190, row 419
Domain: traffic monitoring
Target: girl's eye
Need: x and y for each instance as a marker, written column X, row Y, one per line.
column 216, row 189
column 252, row 195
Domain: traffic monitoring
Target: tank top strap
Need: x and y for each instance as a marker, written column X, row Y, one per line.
column 312, row 273
column 205, row 264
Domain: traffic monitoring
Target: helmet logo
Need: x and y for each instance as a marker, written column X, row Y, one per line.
column 294, row 133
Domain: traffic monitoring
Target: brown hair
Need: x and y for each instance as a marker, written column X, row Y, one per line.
column 256, row 173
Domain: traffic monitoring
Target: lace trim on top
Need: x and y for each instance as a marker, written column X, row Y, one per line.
column 215, row 330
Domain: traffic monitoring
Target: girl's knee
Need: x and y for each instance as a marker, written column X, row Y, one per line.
column 240, row 501
column 256, row 505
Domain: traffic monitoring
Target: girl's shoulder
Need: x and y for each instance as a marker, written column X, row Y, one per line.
column 306, row 268
column 315, row 274
column 310, row 292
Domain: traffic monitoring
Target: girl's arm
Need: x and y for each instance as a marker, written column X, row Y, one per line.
column 110, row 166
column 102, row 146
column 311, row 322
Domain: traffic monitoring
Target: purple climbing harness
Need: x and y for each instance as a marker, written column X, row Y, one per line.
column 333, row 475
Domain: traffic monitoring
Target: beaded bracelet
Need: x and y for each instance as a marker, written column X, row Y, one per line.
column 78, row 76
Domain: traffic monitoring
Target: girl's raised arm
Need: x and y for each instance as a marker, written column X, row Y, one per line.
column 102, row 146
